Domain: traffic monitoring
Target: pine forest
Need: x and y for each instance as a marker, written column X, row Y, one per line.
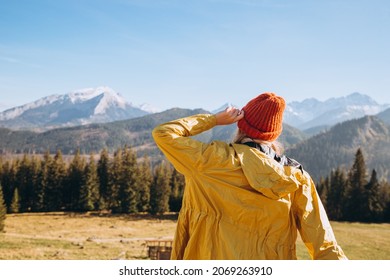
column 119, row 183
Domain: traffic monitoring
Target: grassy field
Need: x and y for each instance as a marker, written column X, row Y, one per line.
column 57, row 236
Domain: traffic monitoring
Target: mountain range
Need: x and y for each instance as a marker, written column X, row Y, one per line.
column 363, row 123
column 85, row 106
column 103, row 105
column 314, row 115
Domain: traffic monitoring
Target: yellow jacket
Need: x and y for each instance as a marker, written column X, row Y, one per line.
column 239, row 203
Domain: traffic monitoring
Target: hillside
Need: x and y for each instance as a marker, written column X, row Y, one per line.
column 90, row 138
column 338, row 145
column 385, row 116
column 133, row 132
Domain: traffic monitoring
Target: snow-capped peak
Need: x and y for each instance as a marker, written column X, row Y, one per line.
column 312, row 112
column 88, row 105
column 109, row 98
column 88, row 93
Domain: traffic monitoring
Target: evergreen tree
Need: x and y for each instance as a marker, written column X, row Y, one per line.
column 35, row 169
column 322, row 189
column 129, row 182
column 177, row 190
column 4, row 168
column 3, row 210
column 25, row 184
column 74, row 182
column 376, row 203
column 356, row 194
column 55, row 183
column 115, row 180
column 336, row 195
column 8, row 181
column 15, row 204
column 160, row 190
column 89, row 193
column 1, row 168
column 42, row 182
column 93, row 181
column 385, row 190
column 103, row 177
column 145, row 183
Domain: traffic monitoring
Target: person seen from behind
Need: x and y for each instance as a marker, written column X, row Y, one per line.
column 244, row 200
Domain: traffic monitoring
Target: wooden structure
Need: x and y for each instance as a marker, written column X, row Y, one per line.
column 159, row 249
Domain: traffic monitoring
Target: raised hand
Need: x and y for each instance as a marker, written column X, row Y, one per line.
column 229, row 115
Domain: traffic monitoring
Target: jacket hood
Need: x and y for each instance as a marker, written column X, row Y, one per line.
column 266, row 175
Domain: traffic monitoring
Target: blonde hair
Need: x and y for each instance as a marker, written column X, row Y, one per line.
column 240, row 138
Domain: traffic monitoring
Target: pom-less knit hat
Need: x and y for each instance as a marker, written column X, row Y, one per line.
column 263, row 117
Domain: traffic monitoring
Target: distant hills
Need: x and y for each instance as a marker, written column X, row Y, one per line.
column 134, row 132
column 337, row 147
column 313, row 115
column 385, row 116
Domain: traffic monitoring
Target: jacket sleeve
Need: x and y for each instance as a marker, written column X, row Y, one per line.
column 173, row 140
column 313, row 224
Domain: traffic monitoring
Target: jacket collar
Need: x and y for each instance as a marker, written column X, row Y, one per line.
column 265, row 174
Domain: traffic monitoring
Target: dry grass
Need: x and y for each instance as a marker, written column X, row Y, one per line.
column 80, row 236
column 358, row 241
column 56, row 236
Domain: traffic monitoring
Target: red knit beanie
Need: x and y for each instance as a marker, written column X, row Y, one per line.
column 263, row 117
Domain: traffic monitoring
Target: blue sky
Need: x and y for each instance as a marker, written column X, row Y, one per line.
column 191, row 54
